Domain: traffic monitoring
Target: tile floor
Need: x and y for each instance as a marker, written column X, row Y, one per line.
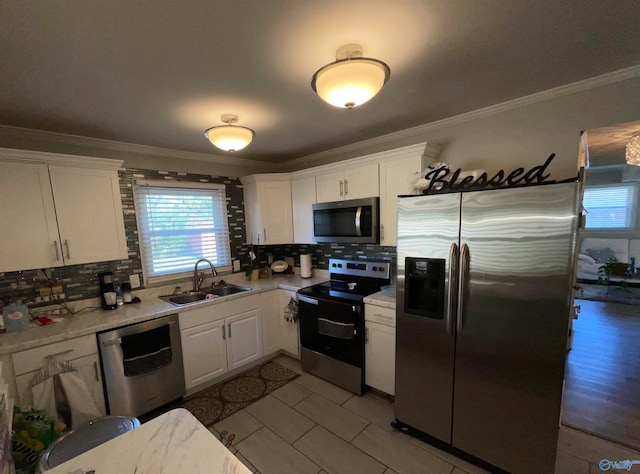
column 311, row 426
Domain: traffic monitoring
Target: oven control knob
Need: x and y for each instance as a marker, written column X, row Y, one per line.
column 339, row 265
column 375, row 269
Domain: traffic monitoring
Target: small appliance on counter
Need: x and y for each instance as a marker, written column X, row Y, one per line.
column 107, row 291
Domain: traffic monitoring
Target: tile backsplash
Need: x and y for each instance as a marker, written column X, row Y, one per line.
column 81, row 281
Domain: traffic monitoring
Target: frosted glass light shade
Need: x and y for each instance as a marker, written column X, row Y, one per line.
column 632, row 151
column 350, row 82
column 229, row 137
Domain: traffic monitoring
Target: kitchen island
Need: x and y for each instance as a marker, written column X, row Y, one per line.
column 172, row 443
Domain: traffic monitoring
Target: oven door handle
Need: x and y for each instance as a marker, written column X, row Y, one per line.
column 306, row 299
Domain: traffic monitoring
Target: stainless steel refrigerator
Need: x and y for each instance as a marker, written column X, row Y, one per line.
column 483, row 306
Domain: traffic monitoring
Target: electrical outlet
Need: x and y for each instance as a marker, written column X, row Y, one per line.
column 236, row 265
column 134, row 279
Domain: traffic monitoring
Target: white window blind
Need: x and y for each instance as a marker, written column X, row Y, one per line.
column 179, row 223
column 611, row 206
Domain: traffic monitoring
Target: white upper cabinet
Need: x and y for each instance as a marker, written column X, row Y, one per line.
column 59, row 210
column 89, row 211
column 268, row 212
column 348, row 183
column 303, row 195
column 396, row 171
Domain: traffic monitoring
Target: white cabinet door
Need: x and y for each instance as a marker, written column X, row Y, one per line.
column 29, row 237
column 89, row 213
column 270, row 325
column 361, row 182
column 380, row 357
column 244, row 338
column 330, row 186
column 88, row 369
column 350, row 183
column 204, row 353
column 303, row 196
column 289, row 333
column 394, row 180
column 275, row 212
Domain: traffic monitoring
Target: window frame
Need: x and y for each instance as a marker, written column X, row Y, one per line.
column 185, row 185
column 632, row 207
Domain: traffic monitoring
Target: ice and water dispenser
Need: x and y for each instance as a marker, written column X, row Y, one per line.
column 424, row 287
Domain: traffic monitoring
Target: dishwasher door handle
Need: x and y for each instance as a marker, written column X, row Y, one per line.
column 111, row 342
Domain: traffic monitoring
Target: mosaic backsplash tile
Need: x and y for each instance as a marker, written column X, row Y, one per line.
column 81, row 281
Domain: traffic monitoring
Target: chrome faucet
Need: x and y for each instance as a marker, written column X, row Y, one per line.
column 198, row 281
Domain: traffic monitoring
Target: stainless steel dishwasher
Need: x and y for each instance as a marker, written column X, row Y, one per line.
column 142, row 366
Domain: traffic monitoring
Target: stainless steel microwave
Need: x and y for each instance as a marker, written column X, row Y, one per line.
column 353, row 221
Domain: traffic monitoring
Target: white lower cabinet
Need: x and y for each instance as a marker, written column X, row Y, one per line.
column 380, row 348
column 81, row 352
column 244, row 338
column 218, row 338
column 289, row 332
column 204, row 352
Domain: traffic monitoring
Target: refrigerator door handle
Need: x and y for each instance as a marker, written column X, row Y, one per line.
column 462, row 282
column 453, row 287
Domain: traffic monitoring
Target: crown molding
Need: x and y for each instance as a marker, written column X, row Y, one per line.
column 46, row 158
column 420, row 130
column 123, row 147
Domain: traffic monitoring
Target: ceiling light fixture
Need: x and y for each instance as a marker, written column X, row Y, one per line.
column 229, row 137
column 350, row 80
column 632, row 151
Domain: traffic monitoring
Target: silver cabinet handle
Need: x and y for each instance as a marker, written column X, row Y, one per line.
column 55, row 246
column 384, row 316
column 341, row 188
column 265, row 234
column 95, row 367
column 366, row 335
column 381, row 231
column 229, row 330
column 462, row 284
column 66, row 244
column 453, row 286
column 346, row 187
column 224, row 336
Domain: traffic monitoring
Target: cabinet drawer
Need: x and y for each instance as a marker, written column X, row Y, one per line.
column 214, row 312
column 379, row 314
column 33, row 359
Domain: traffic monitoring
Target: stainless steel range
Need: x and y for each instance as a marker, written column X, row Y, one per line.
column 331, row 316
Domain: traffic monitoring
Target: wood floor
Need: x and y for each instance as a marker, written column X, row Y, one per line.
column 602, row 380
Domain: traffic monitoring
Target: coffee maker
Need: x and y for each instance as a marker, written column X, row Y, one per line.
column 107, row 290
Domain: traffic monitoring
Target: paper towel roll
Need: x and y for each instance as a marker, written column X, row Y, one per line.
column 305, row 265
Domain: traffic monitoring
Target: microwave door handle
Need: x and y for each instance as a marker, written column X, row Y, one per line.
column 358, row 216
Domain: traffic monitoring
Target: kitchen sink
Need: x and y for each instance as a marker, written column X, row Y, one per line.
column 193, row 297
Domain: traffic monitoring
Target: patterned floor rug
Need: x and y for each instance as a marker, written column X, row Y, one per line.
column 225, row 398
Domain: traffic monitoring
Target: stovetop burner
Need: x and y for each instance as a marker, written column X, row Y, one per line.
column 351, row 280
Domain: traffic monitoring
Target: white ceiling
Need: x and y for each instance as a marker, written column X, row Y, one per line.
column 160, row 72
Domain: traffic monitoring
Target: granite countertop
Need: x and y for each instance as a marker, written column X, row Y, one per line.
column 379, row 299
column 151, row 307
column 171, row 443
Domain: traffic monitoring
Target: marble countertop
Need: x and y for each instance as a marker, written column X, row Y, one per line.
column 379, row 299
column 96, row 320
column 171, row 443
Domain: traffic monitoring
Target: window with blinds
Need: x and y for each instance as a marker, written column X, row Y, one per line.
column 179, row 223
column 611, row 206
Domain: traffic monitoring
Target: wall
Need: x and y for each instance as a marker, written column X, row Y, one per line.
column 81, row 281
column 519, row 133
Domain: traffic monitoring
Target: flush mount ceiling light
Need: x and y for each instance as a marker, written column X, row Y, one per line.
column 632, row 152
column 350, row 80
column 229, row 137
